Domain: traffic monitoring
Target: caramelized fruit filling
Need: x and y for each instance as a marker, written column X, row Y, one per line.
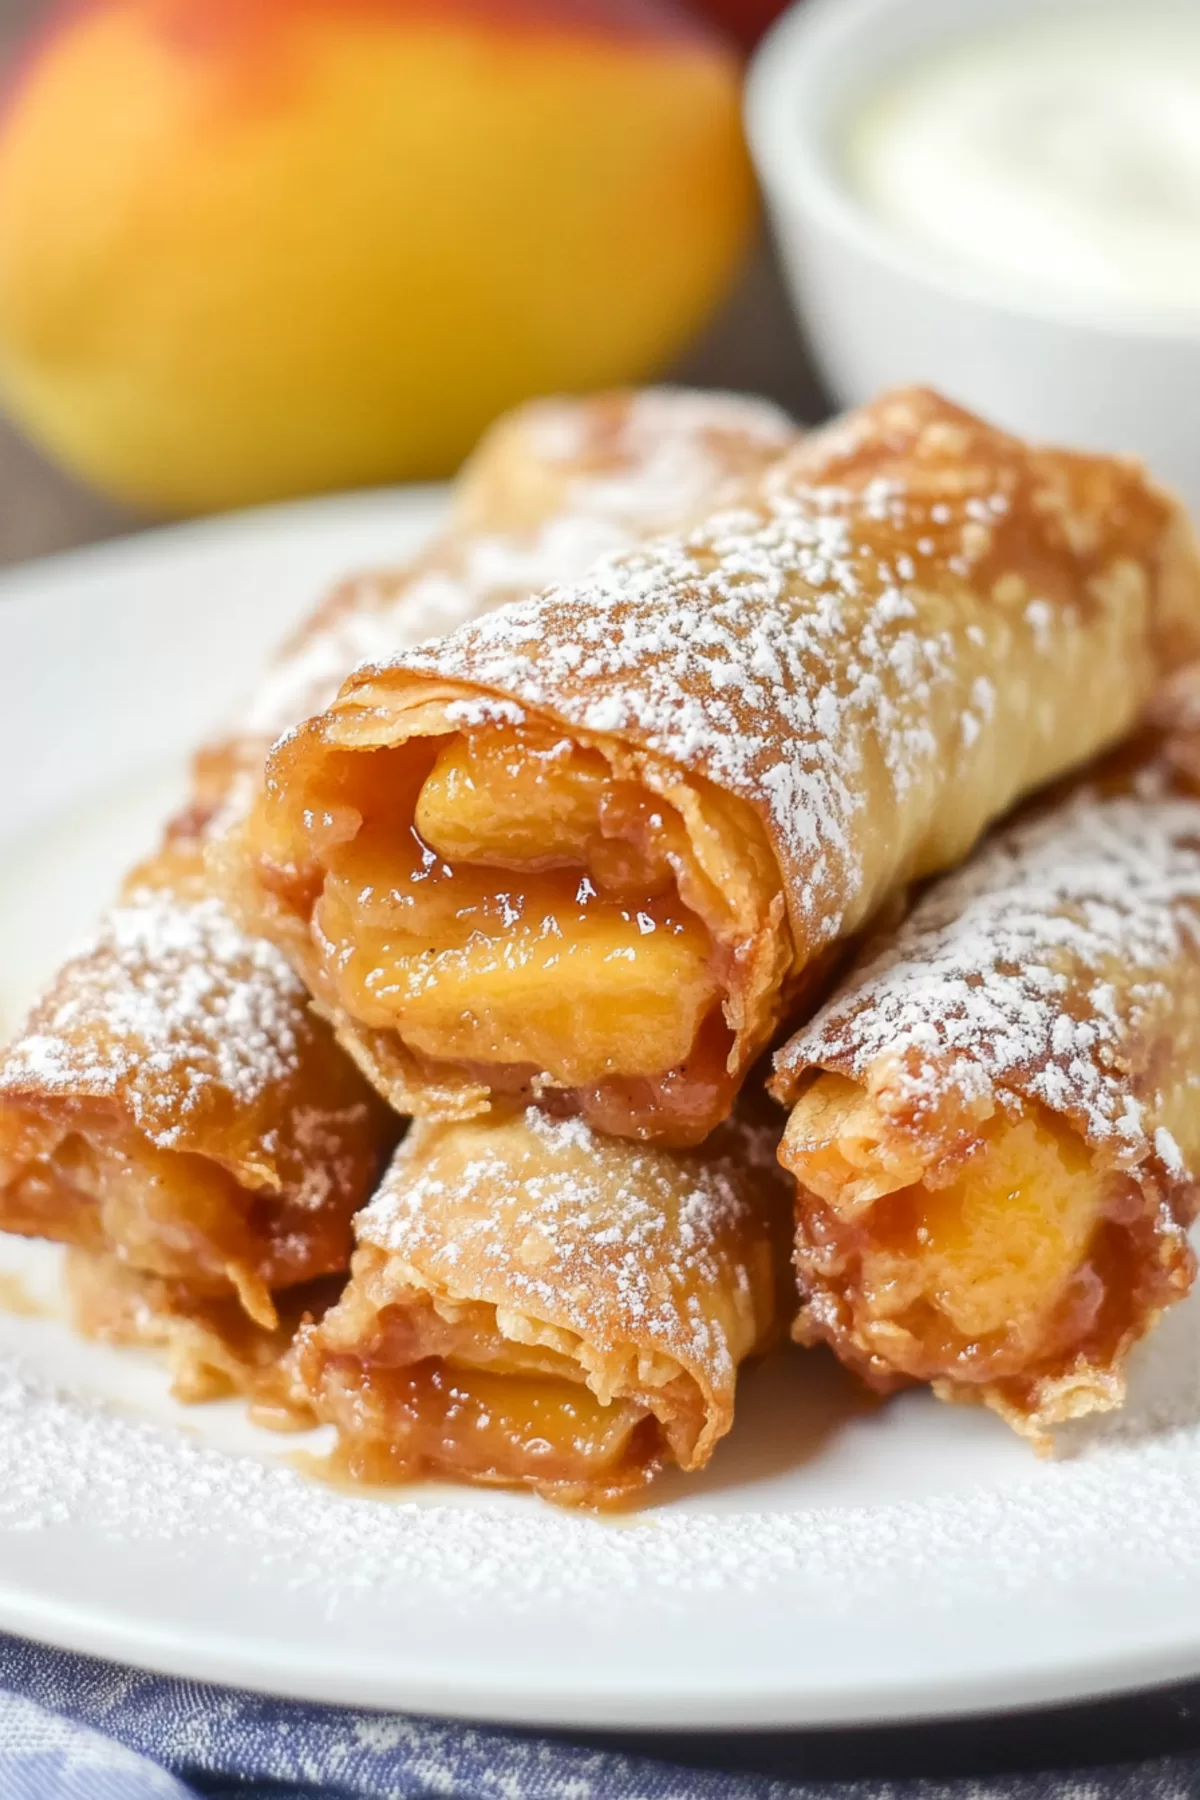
column 523, row 910
column 514, row 1430
column 984, row 1274
column 417, row 1385
column 166, row 1211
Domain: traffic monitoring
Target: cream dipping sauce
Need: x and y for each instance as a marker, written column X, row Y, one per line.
column 1061, row 150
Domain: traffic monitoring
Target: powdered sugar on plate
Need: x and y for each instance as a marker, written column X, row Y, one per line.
column 71, row 1461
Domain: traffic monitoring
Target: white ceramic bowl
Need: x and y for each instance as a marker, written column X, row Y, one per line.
column 879, row 309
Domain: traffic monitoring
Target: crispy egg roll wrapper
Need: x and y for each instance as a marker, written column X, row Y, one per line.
column 531, row 1304
column 172, row 1101
column 213, row 1350
column 593, row 848
column 995, row 1126
column 634, row 461
column 172, row 1098
column 553, row 486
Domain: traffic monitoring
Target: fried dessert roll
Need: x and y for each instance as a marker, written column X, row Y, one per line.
column 553, row 486
column 533, row 1305
column 995, row 1126
column 637, row 460
column 592, row 848
column 172, row 1101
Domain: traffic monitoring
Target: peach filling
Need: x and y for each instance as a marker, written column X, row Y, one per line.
column 168, row 1212
column 977, row 1279
column 521, row 910
column 417, row 1386
column 477, row 1425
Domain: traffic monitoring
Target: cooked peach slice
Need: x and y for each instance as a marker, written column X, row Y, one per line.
column 524, row 912
column 971, row 1272
column 583, row 991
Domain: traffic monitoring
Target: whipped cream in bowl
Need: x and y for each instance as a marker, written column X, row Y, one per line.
column 1001, row 198
column 1059, row 151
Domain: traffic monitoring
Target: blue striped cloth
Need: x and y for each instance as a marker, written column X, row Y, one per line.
column 72, row 1728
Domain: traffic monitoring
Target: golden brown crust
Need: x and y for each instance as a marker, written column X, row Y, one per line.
column 172, row 1094
column 212, row 1349
column 836, row 683
column 644, row 458
column 1054, row 979
column 536, row 1249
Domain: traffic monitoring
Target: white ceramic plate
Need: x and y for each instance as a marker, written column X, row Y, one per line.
column 836, row 1563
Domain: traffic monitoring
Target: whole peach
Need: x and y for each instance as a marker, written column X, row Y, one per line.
column 251, row 248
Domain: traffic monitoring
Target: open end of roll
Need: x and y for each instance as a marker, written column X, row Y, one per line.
column 98, row 1184
column 516, row 907
column 1001, row 1275
column 414, row 1394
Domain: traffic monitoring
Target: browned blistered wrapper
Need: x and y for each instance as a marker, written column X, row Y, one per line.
column 820, row 694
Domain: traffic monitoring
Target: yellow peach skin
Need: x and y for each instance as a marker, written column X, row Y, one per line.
column 251, row 248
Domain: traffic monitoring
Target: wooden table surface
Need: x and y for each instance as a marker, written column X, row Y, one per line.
column 753, row 345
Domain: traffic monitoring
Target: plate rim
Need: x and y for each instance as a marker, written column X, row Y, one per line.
column 712, row 1705
column 267, row 1666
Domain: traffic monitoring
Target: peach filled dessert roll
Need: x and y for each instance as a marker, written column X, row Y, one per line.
column 533, row 1305
column 172, row 1103
column 553, row 486
column 593, row 848
column 995, row 1129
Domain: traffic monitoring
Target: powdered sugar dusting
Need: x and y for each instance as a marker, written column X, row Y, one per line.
column 632, row 1242
column 1045, row 967
column 633, row 464
column 168, row 1005
column 384, row 617
column 72, row 1463
column 817, row 648
column 370, row 623
column 694, row 646
column 669, row 453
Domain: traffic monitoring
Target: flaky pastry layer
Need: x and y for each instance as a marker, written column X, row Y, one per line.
column 212, row 1349
column 533, row 1305
column 995, row 1132
column 597, row 845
